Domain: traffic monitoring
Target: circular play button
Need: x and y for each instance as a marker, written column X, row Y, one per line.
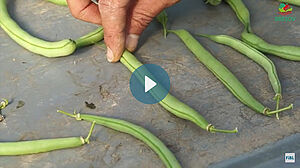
column 149, row 84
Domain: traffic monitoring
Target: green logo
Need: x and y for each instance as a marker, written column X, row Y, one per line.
column 285, row 9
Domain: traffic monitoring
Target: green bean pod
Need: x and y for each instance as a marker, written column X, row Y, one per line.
column 241, row 12
column 90, row 38
column 172, row 104
column 213, row 2
column 59, row 2
column 223, row 74
column 33, row 44
column 254, row 55
column 294, row 2
column 40, row 146
column 286, row 52
column 138, row 132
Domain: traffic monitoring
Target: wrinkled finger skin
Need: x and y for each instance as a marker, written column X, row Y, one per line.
column 123, row 20
column 85, row 10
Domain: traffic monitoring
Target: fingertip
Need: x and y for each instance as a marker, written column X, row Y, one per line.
column 113, row 56
column 131, row 42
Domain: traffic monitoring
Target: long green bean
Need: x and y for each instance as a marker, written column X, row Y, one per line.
column 286, row 52
column 33, row 44
column 45, row 145
column 223, row 74
column 241, row 12
column 171, row 103
column 138, row 132
column 254, row 55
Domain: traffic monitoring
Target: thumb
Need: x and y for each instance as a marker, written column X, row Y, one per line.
column 113, row 14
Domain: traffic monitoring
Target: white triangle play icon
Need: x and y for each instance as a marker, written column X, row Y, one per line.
column 149, row 84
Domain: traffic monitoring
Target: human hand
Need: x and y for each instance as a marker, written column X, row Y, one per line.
column 123, row 20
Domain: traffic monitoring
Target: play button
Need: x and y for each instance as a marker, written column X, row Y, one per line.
column 149, row 84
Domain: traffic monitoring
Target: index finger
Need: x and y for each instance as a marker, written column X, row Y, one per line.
column 85, row 10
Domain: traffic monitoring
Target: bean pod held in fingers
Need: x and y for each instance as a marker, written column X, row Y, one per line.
column 171, row 103
column 138, row 132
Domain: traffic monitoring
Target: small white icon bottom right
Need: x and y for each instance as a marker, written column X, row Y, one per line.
column 289, row 158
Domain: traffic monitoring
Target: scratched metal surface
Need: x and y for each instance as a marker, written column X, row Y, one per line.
column 45, row 85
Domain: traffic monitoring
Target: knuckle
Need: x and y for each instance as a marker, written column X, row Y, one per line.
column 141, row 19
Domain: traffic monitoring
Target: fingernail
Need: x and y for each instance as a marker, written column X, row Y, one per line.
column 132, row 41
column 109, row 54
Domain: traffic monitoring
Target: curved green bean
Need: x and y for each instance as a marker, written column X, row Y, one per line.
column 213, row 2
column 33, row 44
column 241, row 12
column 294, row 2
column 59, row 2
column 172, row 104
column 223, row 74
column 90, row 38
column 254, row 55
column 138, row 132
column 39, row 146
column 286, row 52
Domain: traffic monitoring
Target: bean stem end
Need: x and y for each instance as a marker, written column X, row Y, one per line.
column 279, row 110
column 87, row 139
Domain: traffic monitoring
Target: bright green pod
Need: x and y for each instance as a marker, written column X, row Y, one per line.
column 172, row 104
column 286, row 52
column 90, row 38
column 241, row 12
column 59, row 2
column 33, row 44
column 223, row 74
column 254, row 55
column 138, row 132
column 40, row 146
column 293, row 2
